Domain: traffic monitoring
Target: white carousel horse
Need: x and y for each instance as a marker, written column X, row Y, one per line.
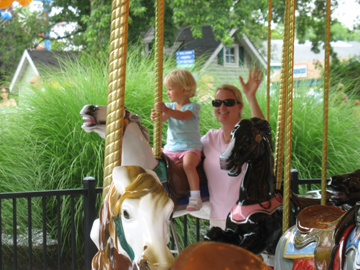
column 133, row 227
column 135, row 146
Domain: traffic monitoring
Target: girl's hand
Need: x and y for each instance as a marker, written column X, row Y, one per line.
column 153, row 114
column 255, row 78
column 160, row 107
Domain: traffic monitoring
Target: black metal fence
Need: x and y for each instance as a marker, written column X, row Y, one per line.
column 296, row 182
column 89, row 194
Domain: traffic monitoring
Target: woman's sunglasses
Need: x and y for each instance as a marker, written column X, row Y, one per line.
column 227, row 102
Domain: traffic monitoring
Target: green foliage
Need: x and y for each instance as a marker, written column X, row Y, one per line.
column 338, row 32
column 94, row 18
column 247, row 17
column 42, row 145
column 190, row 228
column 307, row 133
column 310, row 22
column 21, row 33
column 345, row 75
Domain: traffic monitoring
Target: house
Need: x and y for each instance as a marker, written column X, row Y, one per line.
column 33, row 64
column 220, row 64
column 305, row 60
column 224, row 63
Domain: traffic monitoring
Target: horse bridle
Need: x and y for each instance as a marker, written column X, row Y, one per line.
column 126, row 119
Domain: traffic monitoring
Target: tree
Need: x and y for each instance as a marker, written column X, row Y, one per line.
column 341, row 32
column 246, row 16
column 21, row 33
column 94, row 19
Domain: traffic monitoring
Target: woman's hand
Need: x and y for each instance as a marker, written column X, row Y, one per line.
column 250, row 89
column 255, row 78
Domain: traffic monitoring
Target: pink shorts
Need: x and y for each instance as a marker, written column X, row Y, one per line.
column 177, row 156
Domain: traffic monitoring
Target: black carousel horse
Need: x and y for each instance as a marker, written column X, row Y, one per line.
column 255, row 221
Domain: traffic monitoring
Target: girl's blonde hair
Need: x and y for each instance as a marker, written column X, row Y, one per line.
column 235, row 90
column 183, row 78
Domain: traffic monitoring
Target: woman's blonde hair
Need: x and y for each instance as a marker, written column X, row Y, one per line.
column 183, row 78
column 235, row 90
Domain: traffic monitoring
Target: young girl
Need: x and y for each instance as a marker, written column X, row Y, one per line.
column 183, row 134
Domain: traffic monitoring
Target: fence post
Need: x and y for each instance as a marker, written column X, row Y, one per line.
column 89, row 217
column 294, row 176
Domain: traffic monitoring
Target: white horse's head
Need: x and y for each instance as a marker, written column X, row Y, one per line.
column 95, row 119
column 136, row 215
column 135, row 147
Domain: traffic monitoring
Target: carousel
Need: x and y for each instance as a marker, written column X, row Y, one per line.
column 143, row 189
column 324, row 237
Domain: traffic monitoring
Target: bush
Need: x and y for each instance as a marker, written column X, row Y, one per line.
column 346, row 73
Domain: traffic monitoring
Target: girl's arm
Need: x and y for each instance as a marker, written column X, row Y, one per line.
column 178, row 115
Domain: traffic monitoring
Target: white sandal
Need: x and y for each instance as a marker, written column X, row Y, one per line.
column 195, row 204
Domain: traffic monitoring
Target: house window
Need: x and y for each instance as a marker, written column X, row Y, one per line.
column 232, row 56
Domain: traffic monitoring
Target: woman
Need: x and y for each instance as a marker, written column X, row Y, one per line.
column 228, row 106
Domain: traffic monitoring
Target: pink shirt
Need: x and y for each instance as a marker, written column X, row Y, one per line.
column 223, row 189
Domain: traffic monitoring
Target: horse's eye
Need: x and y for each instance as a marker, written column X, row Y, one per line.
column 126, row 214
column 93, row 108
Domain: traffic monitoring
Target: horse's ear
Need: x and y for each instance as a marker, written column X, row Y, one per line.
column 264, row 126
column 244, row 122
column 123, row 176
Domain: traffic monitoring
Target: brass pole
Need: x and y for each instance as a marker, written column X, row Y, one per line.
column 280, row 124
column 159, row 42
column 326, row 103
column 269, row 62
column 116, row 89
column 288, row 128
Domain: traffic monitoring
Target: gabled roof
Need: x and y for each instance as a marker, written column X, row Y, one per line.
column 249, row 46
column 207, row 46
column 37, row 60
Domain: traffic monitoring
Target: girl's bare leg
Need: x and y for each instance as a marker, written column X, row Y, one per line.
column 190, row 162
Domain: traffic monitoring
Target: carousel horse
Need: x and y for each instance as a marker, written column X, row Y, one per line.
column 213, row 255
column 255, row 221
column 133, row 229
column 345, row 189
column 326, row 237
column 137, row 151
column 258, row 201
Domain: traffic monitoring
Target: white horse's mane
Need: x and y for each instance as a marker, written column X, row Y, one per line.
column 135, row 118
